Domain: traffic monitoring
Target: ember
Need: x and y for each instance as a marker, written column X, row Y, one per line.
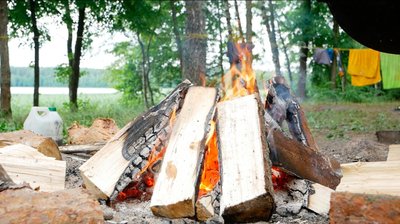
column 140, row 188
column 280, row 178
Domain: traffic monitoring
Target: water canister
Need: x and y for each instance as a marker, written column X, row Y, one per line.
column 45, row 121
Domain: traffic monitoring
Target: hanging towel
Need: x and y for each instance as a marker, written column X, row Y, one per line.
column 364, row 67
column 321, row 56
column 390, row 66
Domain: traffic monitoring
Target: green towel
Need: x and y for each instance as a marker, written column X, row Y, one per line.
column 390, row 66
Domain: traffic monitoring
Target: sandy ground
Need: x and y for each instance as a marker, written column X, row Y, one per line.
column 354, row 146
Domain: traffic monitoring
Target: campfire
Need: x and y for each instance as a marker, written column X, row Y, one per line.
column 206, row 152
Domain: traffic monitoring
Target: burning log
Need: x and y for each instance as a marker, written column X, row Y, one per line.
column 298, row 155
column 364, row 208
column 174, row 191
column 68, row 206
column 247, row 193
column 25, row 164
column 115, row 164
column 45, row 145
column 282, row 105
column 301, row 160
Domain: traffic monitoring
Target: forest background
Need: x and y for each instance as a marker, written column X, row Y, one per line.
column 166, row 42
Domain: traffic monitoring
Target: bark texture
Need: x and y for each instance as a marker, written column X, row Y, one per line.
column 364, row 208
column 36, row 34
column 74, row 78
column 5, row 62
column 195, row 46
column 68, row 206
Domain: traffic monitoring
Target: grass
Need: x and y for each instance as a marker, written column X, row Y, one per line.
column 340, row 119
column 336, row 119
column 91, row 107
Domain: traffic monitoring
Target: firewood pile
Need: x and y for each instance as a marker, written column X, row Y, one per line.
column 225, row 154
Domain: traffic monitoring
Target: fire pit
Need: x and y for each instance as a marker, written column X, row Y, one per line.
column 203, row 153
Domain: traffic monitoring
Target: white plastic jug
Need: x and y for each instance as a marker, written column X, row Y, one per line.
column 45, row 121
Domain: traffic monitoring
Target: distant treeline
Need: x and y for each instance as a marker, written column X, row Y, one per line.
column 23, row 76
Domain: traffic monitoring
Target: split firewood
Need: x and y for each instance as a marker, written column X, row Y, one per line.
column 174, row 191
column 45, row 145
column 302, row 161
column 68, row 206
column 364, row 208
column 394, row 153
column 70, row 149
column 247, row 192
column 319, row 200
column 102, row 130
column 119, row 158
column 361, row 177
column 25, row 164
column 371, row 178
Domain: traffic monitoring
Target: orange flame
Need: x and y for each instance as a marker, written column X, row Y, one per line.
column 210, row 175
column 240, row 81
column 236, row 83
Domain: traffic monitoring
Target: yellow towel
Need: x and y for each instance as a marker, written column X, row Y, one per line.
column 364, row 67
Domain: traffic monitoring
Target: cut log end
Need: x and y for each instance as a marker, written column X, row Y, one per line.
column 181, row 209
column 204, row 208
column 260, row 208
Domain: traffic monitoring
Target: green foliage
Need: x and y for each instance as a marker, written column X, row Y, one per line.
column 351, row 94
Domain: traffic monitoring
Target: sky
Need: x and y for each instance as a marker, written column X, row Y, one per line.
column 53, row 53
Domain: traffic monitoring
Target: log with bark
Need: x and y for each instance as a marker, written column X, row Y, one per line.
column 45, row 145
column 298, row 155
column 69, row 206
column 247, row 193
column 111, row 169
column 364, row 208
column 174, row 192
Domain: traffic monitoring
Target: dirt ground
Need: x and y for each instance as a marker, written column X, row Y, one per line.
column 357, row 144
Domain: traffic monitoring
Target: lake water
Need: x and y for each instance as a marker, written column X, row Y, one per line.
column 62, row 90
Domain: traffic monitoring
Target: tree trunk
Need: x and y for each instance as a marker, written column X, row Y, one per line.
column 148, row 70
column 249, row 16
column 176, row 33
column 69, row 22
column 334, row 61
column 301, row 85
column 238, row 20
column 144, row 78
column 269, row 21
column 285, row 52
column 74, row 78
column 195, row 47
column 5, row 63
column 228, row 20
column 36, row 34
column 221, row 49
